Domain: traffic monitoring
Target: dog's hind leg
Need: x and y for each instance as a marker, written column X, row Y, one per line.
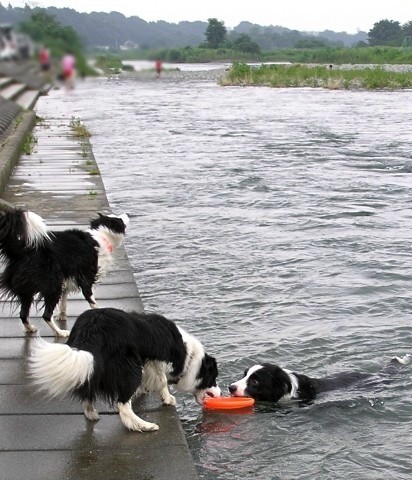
column 48, row 317
column 92, row 302
column 62, row 315
column 24, row 314
column 155, row 380
column 87, row 292
column 58, row 331
column 131, row 421
column 90, row 412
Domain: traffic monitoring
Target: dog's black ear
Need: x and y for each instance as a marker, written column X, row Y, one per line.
column 208, row 372
column 100, row 215
column 280, row 383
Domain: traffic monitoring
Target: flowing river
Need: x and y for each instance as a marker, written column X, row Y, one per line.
column 274, row 225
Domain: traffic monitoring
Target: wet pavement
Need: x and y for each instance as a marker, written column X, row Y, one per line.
column 42, row 439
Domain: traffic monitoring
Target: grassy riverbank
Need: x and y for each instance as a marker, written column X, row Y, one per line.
column 336, row 56
column 340, row 55
column 318, row 76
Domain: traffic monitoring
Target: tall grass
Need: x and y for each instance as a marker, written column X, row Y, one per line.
column 111, row 64
column 79, row 129
column 318, row 76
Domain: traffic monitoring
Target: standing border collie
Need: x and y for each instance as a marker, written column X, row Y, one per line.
column 48, row 265
column 270, row 383
column 114, row 355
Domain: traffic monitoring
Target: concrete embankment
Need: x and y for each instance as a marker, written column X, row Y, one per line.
column 52, row 439
column 20, row 87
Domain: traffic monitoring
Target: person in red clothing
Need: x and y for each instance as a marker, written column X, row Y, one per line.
column 68, row 65
column 159, row 67
column 44, row 58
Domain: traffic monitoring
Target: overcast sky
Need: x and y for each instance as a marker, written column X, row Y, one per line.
column 304, row 15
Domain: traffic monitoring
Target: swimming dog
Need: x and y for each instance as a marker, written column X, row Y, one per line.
column 272, row 383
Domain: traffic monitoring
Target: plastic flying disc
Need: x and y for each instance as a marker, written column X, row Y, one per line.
column 219, row 403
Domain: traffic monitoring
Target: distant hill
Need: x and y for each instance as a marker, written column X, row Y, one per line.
column 270, row 37
column 114, row 29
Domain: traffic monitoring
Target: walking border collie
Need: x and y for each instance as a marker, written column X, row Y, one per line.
column 114, row 355
column 270, row 383
column 47, row 265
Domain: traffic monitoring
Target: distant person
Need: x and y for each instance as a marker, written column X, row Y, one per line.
column 24, row 44
column 44, row 59
column 68, row 66
column 159, row 67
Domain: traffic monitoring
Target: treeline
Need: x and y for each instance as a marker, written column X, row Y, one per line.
column 114, row 29
column 220, row 46
column 336, row 56
column 383, row 33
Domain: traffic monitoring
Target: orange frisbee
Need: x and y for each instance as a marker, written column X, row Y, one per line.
column 226, row 403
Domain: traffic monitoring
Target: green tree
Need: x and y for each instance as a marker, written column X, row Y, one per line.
column 311, row 42
column 361, row 44
column 386, row 32
column 176, row 55
column 407, row 29
column 215, row 33
column 44, row 29
column 243, row 43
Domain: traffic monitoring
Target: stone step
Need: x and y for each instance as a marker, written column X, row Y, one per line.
column 12, row 91
column 28, row 99
column 46, row 88
column 4, row 81
column 8, row 113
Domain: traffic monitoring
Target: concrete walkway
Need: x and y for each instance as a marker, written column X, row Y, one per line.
column 52, row 440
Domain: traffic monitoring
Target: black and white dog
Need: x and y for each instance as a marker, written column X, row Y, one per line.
column 114, row 355
column 47, row 265
column 270, row 383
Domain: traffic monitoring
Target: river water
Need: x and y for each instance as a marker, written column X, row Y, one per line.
column 275, row 225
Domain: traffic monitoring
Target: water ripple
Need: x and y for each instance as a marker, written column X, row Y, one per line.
column 275, row 225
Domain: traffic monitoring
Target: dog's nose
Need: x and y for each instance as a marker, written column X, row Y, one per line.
column 232, row 388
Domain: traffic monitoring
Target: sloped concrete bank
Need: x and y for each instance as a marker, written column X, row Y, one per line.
column 11, row 147
column 52, row 439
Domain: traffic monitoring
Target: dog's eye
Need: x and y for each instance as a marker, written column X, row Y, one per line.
column 254, row 382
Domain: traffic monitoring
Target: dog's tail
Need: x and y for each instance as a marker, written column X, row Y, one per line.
column 396, row 364
column 36, row 230
column 58, row 369
column 20, row 229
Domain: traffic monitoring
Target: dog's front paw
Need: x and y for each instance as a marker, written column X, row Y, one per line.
column 136, row 424
column 92, row 415
column 170, row 400
column 29, row 328
column 62, row 333
column 147, row 426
